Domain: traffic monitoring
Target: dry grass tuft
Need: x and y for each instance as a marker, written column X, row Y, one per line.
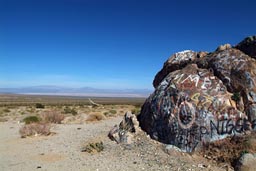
column 35, row 129
column 95, row 117
column 52, row 117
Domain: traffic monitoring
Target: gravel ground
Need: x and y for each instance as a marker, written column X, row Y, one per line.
column 62, row 151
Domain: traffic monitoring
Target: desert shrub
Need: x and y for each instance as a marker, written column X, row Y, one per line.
column 52, row 117
column 136, row 110
column 39, row 106
column 93, row 147
column 3, row 119
column 70, row 110
column 95, row 117
column 31, row 110
column 6, row 110
column 35, row 129
column 106, row 113
column 31, row 119
column 137, row 105
column 112, row 111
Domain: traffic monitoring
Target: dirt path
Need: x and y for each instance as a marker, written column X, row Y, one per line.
column 62, row 151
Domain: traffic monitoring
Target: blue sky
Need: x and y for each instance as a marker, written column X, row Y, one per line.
column 110, row 44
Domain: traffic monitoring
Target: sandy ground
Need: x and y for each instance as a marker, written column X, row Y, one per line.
column 62, row 151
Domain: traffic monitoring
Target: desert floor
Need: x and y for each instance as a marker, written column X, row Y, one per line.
column 62, row 149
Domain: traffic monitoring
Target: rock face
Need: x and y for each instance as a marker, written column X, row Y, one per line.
column 201, row 97
column 175, row 62
column 248, row 46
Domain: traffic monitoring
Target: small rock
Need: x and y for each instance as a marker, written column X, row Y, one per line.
column 246, row 162
column 223, row 47
column 201, row 166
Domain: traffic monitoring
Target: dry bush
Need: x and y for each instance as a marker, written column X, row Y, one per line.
column 31, row 119
column 110, row 113
column 39, row 106
column 93, row 147
column 30, row 110
column 95, row 117
column 35, row 129
column 113, row 111
column 3, row 119
column 6, row 110
column 52, row 117
column 230, row 149
column 1, row 113
column 70, row 110
column 136, row 110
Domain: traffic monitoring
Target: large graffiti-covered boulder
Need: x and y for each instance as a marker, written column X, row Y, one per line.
column 201, row 97
column 191, row 106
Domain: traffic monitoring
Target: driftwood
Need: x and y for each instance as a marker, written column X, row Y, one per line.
column 93, row 103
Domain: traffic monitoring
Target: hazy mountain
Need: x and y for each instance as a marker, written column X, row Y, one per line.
column 83, row 91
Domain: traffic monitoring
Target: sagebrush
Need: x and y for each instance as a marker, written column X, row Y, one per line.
column 95, row 117
column 35, row 129
column 52, row 117
column 31, row 119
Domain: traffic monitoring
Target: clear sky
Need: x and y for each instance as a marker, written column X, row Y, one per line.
column 110, row 44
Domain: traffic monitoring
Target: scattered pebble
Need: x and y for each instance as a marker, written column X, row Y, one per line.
column 201, row 166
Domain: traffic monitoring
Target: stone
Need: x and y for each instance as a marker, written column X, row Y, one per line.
column 189, row 107
column 248, row 46
column 246, row 162
column 193, row 102
column 126, row 130
column 251, row 112
column 223, row 47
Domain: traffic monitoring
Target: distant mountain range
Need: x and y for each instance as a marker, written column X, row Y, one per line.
column 83, row 91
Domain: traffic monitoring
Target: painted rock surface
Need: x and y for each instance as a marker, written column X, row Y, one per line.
column 201, row 97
